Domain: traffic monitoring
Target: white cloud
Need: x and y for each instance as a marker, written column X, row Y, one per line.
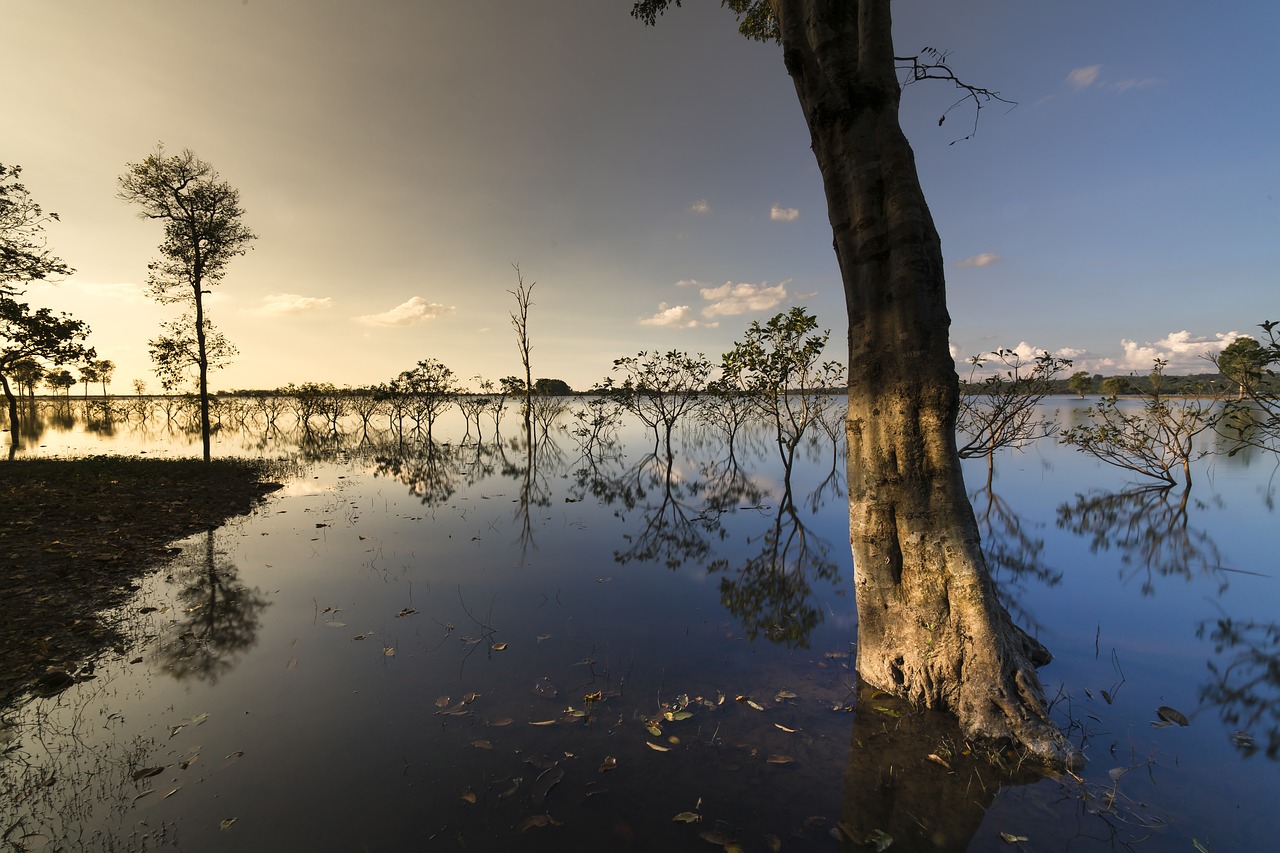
column 1083, row 78
column 688, row 282
column 675, row 317
column 1184, row 352
column 122, row 290
column 783, row 214
column 730, row 299
column 985, row 259
column 278, row 304
column 701, row 206
column 416, row 310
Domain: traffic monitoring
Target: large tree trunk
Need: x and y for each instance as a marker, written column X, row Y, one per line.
column 929, row 626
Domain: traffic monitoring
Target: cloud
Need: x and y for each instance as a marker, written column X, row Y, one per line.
column 701, row 206
column 1183, row 351
column 675, row 317
column 729, row 299
column 985, row 259
column 783, row 214
column 411, row 313
column 279, row 304
column 1083, row 78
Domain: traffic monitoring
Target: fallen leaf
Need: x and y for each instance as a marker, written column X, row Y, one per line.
column 715, row 837
column 147, row 772
column 443, row 701
column 1172, row 715
column 937, row 759
column 171, row 793
column 538, row 820
column 505, row 721
column 481, row 743
column 542, row 723
column 688, row 817
column 498, row 647
column 608, row 764
column 468, row 797
column 389, row 651
column 779, row 759
column 784, row 728
column 754, row 704
column 1009, row 838
column 656, row 747
column 228, row 823
column 469, row 698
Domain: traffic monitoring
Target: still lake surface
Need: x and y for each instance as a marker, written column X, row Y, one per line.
column 461, row 650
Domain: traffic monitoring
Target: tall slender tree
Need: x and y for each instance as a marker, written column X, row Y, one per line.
column 203, row 231
column 930, row 627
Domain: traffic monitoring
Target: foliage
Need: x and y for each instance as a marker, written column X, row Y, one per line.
column 1114, row 386
column 1255, row 420
column 1151, row 441
column 1080, row 383
column 203, row 232
column 428, row 388
column 23, row 255
column 1003, row 410
column 552, row 387
column 1243, row 361
column 779, row 365
column 39, row 335
column 660, row 388
column 175, row 352
column 105, row 368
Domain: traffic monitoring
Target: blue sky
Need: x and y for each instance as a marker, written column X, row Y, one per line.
column 396, row 158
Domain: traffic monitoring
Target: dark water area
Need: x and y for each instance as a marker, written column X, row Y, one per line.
column 486, row 646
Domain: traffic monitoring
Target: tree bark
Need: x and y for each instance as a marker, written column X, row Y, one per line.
column 930, row 628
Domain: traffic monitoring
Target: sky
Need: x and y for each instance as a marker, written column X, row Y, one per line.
column 398, row 158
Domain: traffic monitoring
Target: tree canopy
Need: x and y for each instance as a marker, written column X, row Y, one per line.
column 23, row 254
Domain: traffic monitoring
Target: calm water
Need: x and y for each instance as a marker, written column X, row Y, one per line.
column 461, row 650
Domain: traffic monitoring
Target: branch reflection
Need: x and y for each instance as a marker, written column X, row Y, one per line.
column 1244, row 686
column 1150, row 528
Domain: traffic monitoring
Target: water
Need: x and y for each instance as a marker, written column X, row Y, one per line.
column 461, row 650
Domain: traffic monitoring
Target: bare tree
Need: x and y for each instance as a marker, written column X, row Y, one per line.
column 520, row 322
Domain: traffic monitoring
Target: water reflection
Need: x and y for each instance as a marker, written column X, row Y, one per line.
column 1015, row 554
column 217, row 620
column 1244, row 683
column 1151, row 530
column 913, row 783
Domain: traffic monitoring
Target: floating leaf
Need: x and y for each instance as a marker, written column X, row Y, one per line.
column 608, row 764
column 389, row 651
column 481, row 743
column 937, row 759
column 199, row 719
column 779, row 759
column 542, row 723
column 715, row 837
column 656, row 747
column 468, row 797
column 688, row 817
column 1009, row 838
column 336, row 624
column 888, row 712
column 1172, row 715
column 408, row 611
column 498, row 647
column 784, row 694
column 1199, row 846
column 505, row 721
column 734, row 847
column 538, row 820
column 880, row 840
column 754, row 704
column 147, row 772
column 171, row 793
column 653, row 728
column 469, row 698
column 443, row 701
column 784, row 728
column 228, row 823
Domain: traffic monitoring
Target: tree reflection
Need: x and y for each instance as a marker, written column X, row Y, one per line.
column 217, row 621
column 427, row 468
column 911, row 780
column 1014, row 553
column 1245, row 685
column 1150, row 528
